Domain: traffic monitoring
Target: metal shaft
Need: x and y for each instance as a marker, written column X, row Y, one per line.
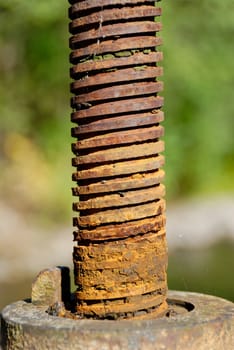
column 120, row 259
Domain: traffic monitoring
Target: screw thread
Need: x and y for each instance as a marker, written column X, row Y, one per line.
column 120, row 259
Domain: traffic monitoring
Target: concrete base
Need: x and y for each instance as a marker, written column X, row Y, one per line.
column 198, row 322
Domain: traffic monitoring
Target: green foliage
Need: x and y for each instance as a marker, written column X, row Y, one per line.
column 34, row 65
column 199, row 106
column 34, row 106
column 34, row 96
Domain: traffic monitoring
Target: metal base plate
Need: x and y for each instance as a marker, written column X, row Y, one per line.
column 196, row 322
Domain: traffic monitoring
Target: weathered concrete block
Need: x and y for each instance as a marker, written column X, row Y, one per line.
column 47, row 287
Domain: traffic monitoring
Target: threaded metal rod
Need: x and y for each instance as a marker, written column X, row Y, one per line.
column 120, row 259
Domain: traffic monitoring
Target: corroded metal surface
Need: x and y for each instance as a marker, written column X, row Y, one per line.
column 120, row 259
column 196, row 322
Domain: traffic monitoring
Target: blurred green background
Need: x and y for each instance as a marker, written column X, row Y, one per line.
column 35, row 123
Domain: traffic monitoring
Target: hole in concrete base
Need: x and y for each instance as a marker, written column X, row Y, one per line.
column 178, row 307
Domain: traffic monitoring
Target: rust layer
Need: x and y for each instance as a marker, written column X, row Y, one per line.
column 140, row 42
column 120, row 168
column 110, row 15
column 135, row 73
column 119, row 231
column 122, row 199
column 110, row 61
column 121, row 214
column 78, row 6
column 133, row 89
column 115, row 29
column 120, row 184
column 120, row 137
column 115, row 123
column 120, row 259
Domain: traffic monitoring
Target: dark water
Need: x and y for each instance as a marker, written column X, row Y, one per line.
column 208, row 270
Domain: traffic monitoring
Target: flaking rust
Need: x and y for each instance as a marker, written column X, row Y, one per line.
column 120, row 259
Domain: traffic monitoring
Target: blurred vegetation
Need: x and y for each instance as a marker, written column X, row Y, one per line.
column 34, row 101
column 205, row 270
column 199, row 81
column 34, row 107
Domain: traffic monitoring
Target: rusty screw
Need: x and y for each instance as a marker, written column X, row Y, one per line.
column 120, row 259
